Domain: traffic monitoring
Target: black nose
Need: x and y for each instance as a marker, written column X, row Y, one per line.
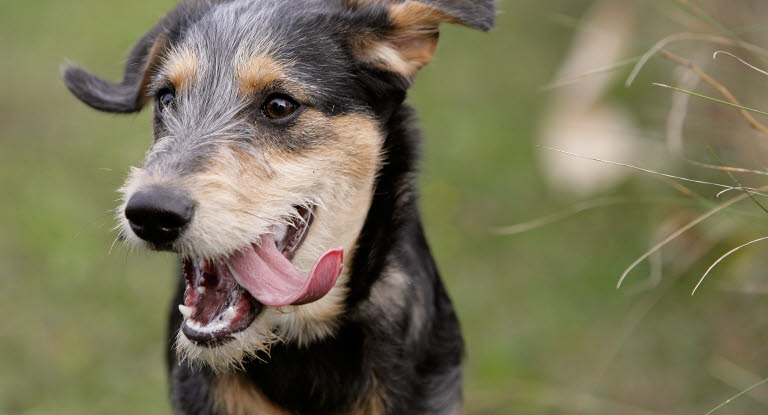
column 159, row 215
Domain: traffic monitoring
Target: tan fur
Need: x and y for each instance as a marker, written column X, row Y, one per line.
column 373, row 404
column 412, row 17
column 258, row 72
column 234, row 395
column 181, row 68
column 246, row 190
column 413, row 42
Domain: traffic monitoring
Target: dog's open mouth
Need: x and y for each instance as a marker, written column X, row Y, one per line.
column 224, row 295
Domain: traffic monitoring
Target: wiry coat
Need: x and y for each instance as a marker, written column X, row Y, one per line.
column 385, row 340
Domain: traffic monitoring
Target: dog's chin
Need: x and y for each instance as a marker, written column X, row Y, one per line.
column 229, row 353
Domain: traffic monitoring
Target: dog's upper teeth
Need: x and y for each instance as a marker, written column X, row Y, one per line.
column 186, row 311
column 280, row 231
column 200, row 290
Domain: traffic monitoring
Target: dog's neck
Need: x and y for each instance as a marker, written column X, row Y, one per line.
column 399, row 333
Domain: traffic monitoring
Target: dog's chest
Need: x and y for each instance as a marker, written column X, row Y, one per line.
column 234, row 395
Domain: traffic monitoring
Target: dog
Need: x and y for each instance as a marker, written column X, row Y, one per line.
column 282, row 173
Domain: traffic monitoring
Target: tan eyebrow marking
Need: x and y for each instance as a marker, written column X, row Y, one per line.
column 258, row 72
column 181, row 68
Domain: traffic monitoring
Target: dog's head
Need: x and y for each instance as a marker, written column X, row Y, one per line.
column 269, row 123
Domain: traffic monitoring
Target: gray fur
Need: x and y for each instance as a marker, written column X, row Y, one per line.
column 398, row 339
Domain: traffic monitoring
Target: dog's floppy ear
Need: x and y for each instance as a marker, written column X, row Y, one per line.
column 130, row 94
column 410, row 39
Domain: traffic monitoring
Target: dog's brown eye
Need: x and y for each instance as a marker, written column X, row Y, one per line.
column 279, row 107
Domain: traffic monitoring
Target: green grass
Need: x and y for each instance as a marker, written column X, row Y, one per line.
column 82, row 329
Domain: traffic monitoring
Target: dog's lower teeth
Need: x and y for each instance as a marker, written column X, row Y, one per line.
column 229, row 315
column 209, row 328
column 200, row 290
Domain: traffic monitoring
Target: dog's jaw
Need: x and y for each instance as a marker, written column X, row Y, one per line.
column 342, row 198
column 224, row 295
column 253, row 342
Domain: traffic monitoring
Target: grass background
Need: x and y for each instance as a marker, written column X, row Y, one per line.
column 81, row 330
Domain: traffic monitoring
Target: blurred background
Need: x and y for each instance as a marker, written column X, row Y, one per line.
column 530, row 241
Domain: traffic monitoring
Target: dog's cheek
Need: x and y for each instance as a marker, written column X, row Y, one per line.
column 343, row 169
column 337, row 174
column 351, row 175
column 342, row 160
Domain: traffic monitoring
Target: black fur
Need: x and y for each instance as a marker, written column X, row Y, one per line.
column 411, row 370
column 411, row 359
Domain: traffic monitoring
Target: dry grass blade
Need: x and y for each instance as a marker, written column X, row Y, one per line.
column 685, row 179
column 734, row 250
column 747, row 193
column 710, row 98
column 689, row 36
column 737, row 181
column 745, row 63
column 563, row 214
column 575, row 78
column 737, row 396
column 717, row 85
column 736, row 377
column 677, row 233
column 722, row 192
column 727, row 168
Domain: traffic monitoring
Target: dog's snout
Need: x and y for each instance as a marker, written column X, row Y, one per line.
column 159, row 215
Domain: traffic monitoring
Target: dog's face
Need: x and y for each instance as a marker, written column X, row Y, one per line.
column 269, row 125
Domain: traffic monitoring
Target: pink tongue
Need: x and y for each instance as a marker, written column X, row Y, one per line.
column 272, row 280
